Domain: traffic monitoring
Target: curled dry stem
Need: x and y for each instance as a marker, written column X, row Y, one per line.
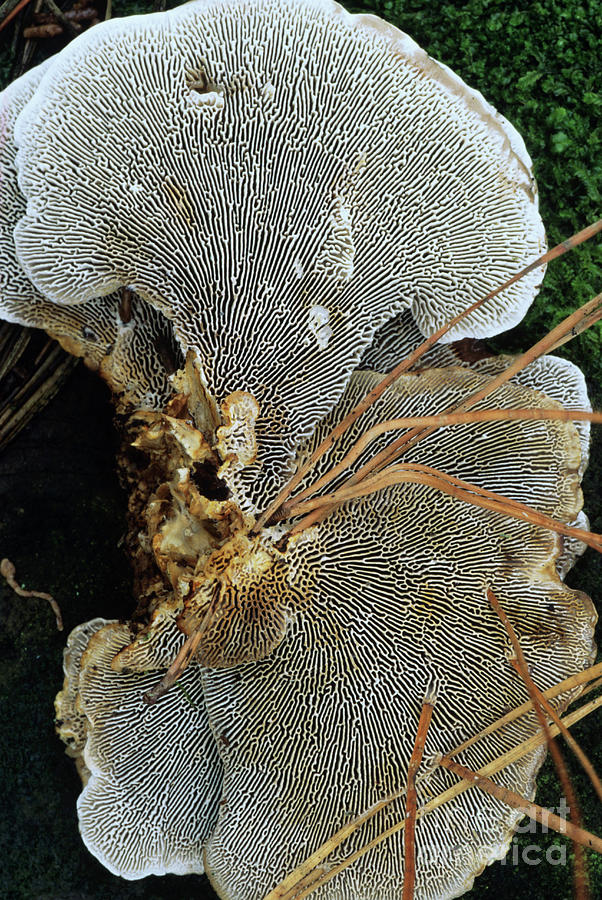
column 8, row 571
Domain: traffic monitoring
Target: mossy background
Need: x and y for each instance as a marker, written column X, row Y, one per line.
column 62, row 518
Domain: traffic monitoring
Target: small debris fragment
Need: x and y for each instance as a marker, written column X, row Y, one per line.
column 8, row 571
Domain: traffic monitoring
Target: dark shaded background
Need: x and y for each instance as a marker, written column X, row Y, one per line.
column 62, row 512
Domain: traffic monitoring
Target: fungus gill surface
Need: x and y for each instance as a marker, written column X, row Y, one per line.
column 323, row 727
column 279, row 178
column 389, row 603
column 266, row 213
column 121, row 336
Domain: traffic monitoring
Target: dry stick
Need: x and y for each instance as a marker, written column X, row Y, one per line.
column 8, row 571
column 580, row 871
column 439, row 421
column 9, row 10
column 288, row 888
column 580, row 837
column 70, row 27
column 372, row 396
column 447, row 484
column 409, row 835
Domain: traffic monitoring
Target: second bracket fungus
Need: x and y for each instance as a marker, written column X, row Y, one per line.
column 269, row 188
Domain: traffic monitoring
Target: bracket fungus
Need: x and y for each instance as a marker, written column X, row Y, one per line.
column 279, row 191
column 277, row 207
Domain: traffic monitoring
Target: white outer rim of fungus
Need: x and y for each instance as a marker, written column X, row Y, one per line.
column 400, row 43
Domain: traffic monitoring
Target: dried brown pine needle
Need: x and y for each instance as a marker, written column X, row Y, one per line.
column 439, row 421
column 291, row 886
column 522, row 669
column 448, row 484
column 580, row 837
column 592, row 675
column 409, row 835
column 572, row 242
column 569, row 328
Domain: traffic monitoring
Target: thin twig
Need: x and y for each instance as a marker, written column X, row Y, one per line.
column 521, row 667
column 8, row 571
column 439, row 421
column 409, row 835
column 9, row 10
column 71, row 28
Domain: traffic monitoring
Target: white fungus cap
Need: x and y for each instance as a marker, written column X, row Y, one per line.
column 395, row 597
column 129, row 354
column 279, row 178
column 155, row 776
